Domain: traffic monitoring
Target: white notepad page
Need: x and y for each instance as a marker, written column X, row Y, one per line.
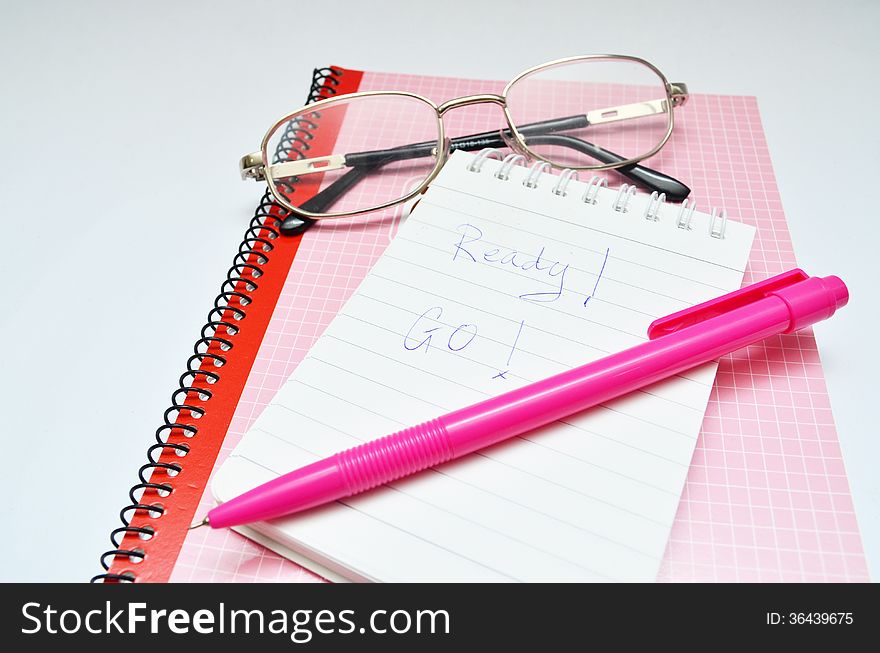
column 490, row 285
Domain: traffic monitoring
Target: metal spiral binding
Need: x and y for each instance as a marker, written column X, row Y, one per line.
column 219, row 329
column 686, row 214
column 591, row 195
column 507, row 165
column 486, row 153
column 655, row 203
column 561, row 187
column 718, row 223
column 625, row 193
column 538, row 168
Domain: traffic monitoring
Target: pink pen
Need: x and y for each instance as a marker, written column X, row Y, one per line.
column 780, row 304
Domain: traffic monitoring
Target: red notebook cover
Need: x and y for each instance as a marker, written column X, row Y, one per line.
column 179, row 464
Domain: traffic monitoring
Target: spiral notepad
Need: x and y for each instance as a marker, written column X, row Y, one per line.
column 500, row 276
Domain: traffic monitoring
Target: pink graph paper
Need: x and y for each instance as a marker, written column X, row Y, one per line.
column 766, row 498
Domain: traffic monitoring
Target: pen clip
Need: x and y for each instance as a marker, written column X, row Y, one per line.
column 715, row 307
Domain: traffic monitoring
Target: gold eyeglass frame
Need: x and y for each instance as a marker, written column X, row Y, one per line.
column 257, row 165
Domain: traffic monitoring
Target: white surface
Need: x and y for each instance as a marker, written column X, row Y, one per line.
column 121, row 126
column 594, row 496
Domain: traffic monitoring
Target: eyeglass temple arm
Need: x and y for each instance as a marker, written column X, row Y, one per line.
column 466, row 143
column 649, row 178
column 293, row 225
column 653, row 180
column 674, row 189
column 492, row 138
column 364, row 163
column 495, row 138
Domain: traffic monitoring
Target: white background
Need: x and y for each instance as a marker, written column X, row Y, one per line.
column 121, row 125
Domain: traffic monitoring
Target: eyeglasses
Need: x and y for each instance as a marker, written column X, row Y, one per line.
column 392, row 144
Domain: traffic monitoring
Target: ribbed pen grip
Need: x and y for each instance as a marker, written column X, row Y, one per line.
column 396, row 455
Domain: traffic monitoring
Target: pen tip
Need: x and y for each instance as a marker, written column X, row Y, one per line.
column 197, row 524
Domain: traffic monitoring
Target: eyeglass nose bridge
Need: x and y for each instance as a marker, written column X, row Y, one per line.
column 488, row 98
column 467, row 100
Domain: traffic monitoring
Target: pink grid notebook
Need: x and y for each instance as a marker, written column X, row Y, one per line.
column 766, row 497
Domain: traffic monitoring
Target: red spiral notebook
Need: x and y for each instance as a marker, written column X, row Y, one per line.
column 766, row 497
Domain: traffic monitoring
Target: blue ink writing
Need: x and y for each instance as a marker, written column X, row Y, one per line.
column 469, row 234
column 515, row 340
column 466, row 334
column 599, row 276
column 469, row 247
column 420, row 333
column 428, row 333
column 502, row 374
column 427, row 325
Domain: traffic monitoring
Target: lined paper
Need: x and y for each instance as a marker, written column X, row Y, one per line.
column 490, row 285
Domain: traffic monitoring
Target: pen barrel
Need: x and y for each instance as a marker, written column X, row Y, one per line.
column 400, row 454
column 346, row 473
column 537, row 404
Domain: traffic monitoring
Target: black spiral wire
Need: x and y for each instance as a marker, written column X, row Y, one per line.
column 220, row 329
